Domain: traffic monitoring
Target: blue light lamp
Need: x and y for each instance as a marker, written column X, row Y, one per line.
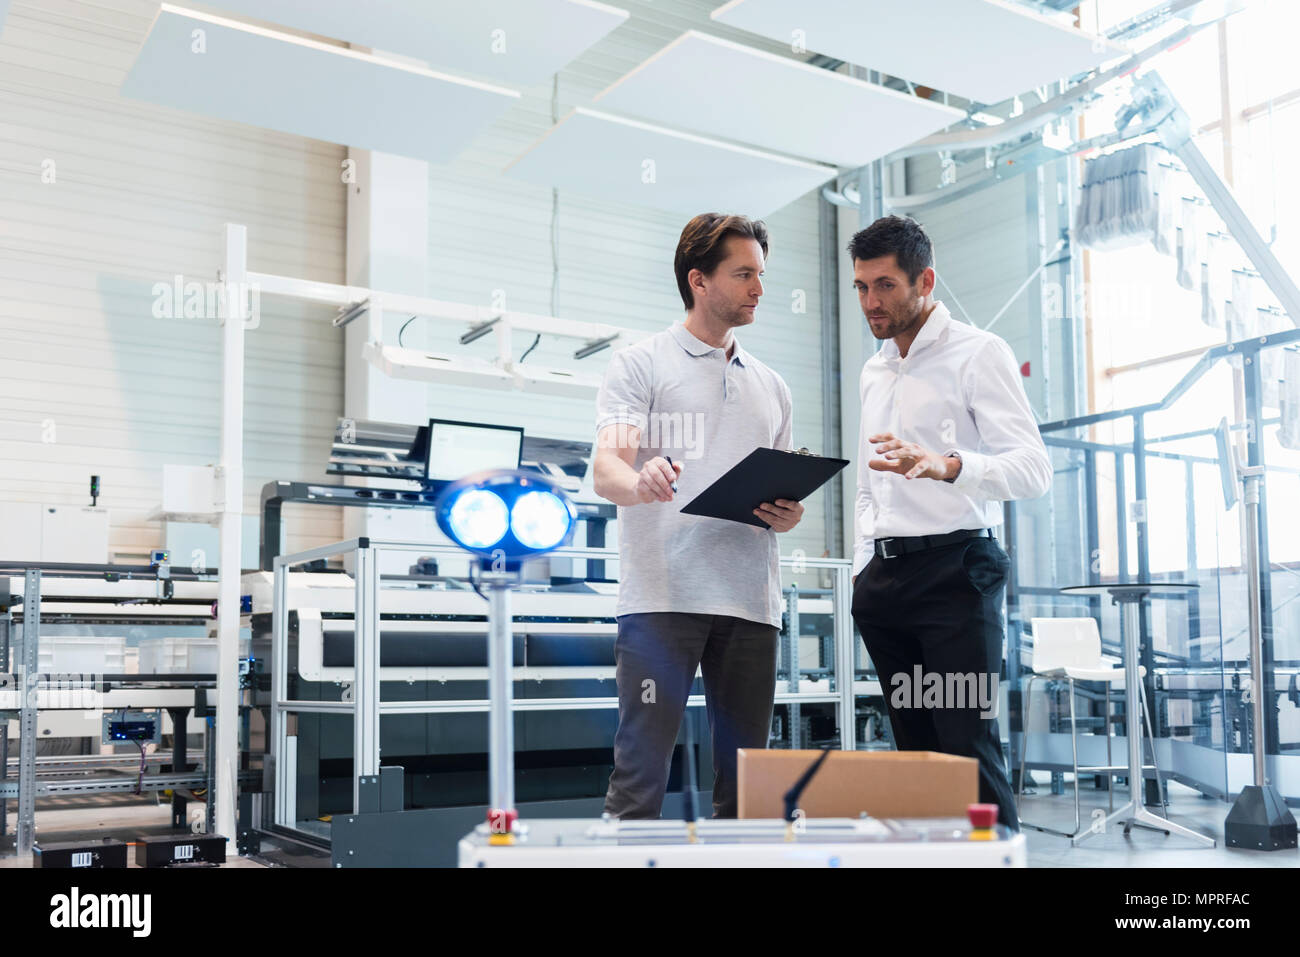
column 503, row 517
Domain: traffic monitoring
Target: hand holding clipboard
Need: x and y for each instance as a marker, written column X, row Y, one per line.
column 764, row 475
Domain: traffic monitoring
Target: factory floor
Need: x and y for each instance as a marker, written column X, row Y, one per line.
column 1142, row 848
column 127, row 817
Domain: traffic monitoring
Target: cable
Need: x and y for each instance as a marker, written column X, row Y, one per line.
column 139, row 781
column 474, row 582
column 403, row 329
column 536, row 339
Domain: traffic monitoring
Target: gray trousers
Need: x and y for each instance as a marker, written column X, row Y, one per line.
column 656, row 656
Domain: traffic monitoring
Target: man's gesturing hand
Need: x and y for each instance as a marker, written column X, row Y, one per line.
column 781, row 515
column 910, row 460
column 654, row 483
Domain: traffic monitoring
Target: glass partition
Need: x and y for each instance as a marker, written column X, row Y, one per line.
column 1139, row 495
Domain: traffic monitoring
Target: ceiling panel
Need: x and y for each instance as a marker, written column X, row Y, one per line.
column 984, row 50
column 516, row 41
column 630, row 161
column 280, row 82
column 725, row 89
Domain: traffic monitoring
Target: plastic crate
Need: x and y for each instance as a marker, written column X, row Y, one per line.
column 60, row 654
column 173, row 656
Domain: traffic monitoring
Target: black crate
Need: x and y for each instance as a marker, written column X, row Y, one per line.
column 169, row 851
column 79, row 854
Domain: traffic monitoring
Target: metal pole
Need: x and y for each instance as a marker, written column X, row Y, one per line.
column 1132, row 616
column 229, row 495
column 792, row 666
column 26, row 834
column 845, row 648
column 365, row 685
column 1250, row 499
column 180, row 762
column 283, row 813
column 1146, row 642
column 501, row 729
column 6, row 622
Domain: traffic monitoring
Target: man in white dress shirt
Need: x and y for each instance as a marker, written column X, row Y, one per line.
column 947, row 434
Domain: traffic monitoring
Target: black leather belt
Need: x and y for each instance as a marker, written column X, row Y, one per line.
column 894, row 547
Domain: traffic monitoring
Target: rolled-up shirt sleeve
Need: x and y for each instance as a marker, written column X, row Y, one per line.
column 625, row 392
column 1012, row 462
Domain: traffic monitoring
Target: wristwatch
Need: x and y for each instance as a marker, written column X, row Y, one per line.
column 953, row 454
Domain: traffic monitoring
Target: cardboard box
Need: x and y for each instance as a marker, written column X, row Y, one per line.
column 884, row 784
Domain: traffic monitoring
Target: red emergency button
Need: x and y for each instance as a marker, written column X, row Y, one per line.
column 982, row 816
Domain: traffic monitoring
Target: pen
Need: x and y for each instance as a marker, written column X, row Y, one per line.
column 672, row 485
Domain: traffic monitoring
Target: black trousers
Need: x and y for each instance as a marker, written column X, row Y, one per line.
column 939, row 612
column 656, row 656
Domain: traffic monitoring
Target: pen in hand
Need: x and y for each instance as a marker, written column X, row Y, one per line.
column 669, row 459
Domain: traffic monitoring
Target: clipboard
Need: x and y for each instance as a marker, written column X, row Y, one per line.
column 764, row 475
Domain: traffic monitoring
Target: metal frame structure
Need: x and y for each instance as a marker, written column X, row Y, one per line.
column 66, row 775
column 1139, row 566
column 367, row 707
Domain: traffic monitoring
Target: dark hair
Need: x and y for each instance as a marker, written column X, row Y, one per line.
column 902, row 236
column 703, row 245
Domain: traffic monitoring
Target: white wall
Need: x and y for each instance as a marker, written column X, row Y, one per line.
column 139, row 195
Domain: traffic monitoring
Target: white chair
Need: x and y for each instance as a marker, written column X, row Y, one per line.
column 1070, row 649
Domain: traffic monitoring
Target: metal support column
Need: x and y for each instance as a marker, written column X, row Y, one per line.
column 229, row 502
column 845, row 656
column 180, row 762
column 1148, row 659
column 501, row 720
column 792, row 666
column 365, row 721
column 282, row 769
column 27, row 717
column 1265, row 691
column 6, row 623
column 1193, row 572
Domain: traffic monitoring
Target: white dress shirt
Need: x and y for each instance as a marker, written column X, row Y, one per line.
column 959, row 391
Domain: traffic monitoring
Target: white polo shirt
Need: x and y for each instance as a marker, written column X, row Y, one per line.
column 707, row 412
column 959, row 389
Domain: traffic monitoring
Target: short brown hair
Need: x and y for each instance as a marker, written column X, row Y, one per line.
column 703, row 244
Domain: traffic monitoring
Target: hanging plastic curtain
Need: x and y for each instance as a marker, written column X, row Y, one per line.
column 1242, row 318
column 1117, row 205
column 1289, row 433
column 1166, row 226
column 1189, row 246
column 1272, row 362
column 1216, row 280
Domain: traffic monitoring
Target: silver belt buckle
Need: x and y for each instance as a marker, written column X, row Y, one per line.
column 884, row 549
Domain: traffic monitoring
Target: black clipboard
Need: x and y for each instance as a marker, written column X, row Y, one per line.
column 764, row 475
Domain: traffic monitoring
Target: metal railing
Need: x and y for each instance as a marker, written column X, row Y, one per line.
column 367, row 706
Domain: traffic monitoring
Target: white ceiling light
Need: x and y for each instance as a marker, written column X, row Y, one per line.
column 985, row 50
column 223, row 68
column 726, row 89
column 516, row 41
column 633, row 162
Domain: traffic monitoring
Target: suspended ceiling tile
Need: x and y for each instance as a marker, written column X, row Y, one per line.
column 985, row 50
column 629, row 161
column 713, row 86
column 516, row 41
column 281, row 82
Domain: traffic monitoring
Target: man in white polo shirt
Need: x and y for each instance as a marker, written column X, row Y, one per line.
column 947, row 434
column 675, row 412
